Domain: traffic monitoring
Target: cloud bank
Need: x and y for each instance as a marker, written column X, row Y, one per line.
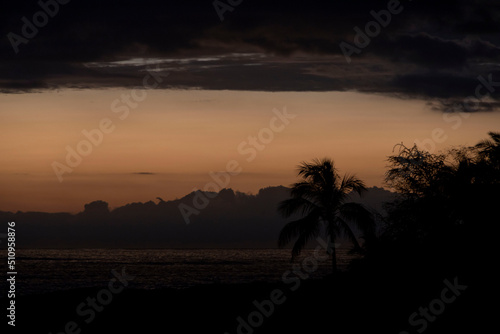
column 428, row 50
column 230, row 220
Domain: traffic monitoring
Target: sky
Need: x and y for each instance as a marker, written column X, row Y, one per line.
column 160, row 95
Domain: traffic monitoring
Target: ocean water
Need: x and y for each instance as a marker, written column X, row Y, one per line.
column 45, row 270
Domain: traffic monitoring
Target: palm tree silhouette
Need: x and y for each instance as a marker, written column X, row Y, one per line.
column 321, row 199
column 490, row 148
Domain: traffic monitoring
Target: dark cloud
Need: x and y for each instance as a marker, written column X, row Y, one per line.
column 435, row 85
column 429, row 50
column 457, row 105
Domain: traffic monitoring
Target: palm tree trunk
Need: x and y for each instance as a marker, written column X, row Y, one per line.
column 331, row 244
column 334, row 259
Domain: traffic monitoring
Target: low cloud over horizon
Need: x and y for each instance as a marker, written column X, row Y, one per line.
column 230, row 219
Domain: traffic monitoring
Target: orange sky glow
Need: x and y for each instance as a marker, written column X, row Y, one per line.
column 169, row 142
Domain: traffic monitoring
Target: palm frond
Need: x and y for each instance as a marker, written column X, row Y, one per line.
column 301, row 242
column 485, row 143
column 304, row 189
column 359, row 216
column 495, row 136
column 489, row 146
column 352, row 183
column 296, row 205
column 303, row 229
column 319, row 171
column 347, row 232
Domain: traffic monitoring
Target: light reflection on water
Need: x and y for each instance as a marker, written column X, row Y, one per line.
column 46, row 270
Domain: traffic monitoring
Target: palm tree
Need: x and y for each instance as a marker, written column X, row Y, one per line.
column 490, row 148
column 321, row 200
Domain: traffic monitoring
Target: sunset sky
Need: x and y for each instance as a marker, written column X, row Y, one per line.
column 198, row 88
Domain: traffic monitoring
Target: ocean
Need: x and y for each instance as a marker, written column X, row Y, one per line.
column 48, row 270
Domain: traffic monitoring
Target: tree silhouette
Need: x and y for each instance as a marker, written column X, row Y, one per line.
column 321, row 200
column 490, row 147
column 447, row 202
column 451, row 185
column 489, row 152
column 412, row 172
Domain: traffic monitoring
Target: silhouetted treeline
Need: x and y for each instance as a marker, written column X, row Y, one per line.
column 445, row 216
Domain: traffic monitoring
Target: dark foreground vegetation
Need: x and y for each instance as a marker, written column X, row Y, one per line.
column 349, row 303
